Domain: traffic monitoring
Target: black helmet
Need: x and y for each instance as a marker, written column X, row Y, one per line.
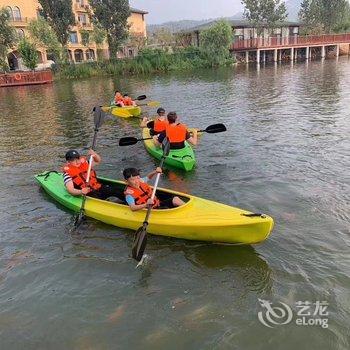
column 72, row 154
column 160, row 110
column 128, row 172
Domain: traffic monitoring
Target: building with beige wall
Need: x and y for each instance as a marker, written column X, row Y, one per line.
column 23, row 11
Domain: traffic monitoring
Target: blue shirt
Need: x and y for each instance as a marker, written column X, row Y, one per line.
column 129, row 198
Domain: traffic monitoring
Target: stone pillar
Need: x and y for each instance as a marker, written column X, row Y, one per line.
column 258, row 56
column 295, row 54
column 247, row 57
column 338, row 50
column 307, row 53
column 275, row 55
column 264, row 56
column 323, row 52
column 292, row 54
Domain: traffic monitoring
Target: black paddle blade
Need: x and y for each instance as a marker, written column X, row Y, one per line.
column 213, row 129
column 140, row 98
column 140, row 242
column 79, row 218
column 127, row 141
column 99, row 116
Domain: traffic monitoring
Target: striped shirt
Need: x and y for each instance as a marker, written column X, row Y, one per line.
column 66, row 178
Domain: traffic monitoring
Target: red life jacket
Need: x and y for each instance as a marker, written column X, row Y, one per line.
column 78, row 175
column 160, row 125
column 128, row 101
column 176, row 133
column 142, row 194
column 118, row 98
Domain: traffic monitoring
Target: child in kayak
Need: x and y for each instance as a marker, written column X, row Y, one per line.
column 157, row 125
column 74, row 177
column 118, row 99
column 128, row 101
column 138, row 193
column 176, row 133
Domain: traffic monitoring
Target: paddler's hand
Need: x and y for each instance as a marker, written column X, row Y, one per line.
column 95, row 156
column 150, row 201
column 159, row 170
column 85, row 190
column 145, row 120
column 92, row 153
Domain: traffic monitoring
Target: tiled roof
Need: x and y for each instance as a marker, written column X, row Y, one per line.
column 236, row 23
column 132, row 9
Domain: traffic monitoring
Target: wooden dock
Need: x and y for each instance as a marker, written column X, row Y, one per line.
column 26, row 78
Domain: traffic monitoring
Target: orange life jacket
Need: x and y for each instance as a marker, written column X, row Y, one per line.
column 78, row 175
column 142, row 194
column 128, row 101
column 160, row 125
column 118, row 97
column 176, row 133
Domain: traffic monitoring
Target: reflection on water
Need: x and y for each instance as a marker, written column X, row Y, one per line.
column 285, row 152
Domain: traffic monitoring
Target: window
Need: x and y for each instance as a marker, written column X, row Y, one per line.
column 78, row 55
column 73, row 37
column 90, row 55
column 17, row 14
column 9, row 9
column 82, row 18
column 20, row 33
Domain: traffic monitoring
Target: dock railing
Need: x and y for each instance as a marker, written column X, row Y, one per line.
column 289, row 41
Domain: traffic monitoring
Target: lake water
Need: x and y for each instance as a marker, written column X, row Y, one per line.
column 285, row 153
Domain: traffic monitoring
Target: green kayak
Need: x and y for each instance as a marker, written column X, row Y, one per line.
column 179, row 158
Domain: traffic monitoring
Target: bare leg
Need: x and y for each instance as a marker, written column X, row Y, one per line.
column 177, row 202
column 155, row 140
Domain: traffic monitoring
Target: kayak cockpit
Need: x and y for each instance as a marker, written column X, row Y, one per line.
column 119, row 197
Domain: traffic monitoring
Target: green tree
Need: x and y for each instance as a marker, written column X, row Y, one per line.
column 163, row 37
column 98, row 36
column 264, row 13
column 43, row 35
column 7, row 38
column 328, row 15
column 112, row 15
column 29, row 54
column 85, row 37
column 215, row 43
column 59, row 15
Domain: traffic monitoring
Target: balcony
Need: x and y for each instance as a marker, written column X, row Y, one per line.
column 19, row 21
column 291, row 41
column 81, row 7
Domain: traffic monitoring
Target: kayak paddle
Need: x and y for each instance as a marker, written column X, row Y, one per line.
column 140, row 240
column 150, row 104
column 98, row 120
column 211, row 129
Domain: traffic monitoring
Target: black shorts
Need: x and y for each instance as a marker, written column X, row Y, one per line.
column 166, row 204
column 105, row 191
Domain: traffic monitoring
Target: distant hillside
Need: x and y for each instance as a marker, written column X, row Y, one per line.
column 293, row 7
column 177, row 26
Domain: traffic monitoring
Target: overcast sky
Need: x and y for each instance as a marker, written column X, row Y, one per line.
column 161, row 11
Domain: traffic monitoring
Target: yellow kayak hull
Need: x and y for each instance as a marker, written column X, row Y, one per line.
column 199, row 219
column 123, row 112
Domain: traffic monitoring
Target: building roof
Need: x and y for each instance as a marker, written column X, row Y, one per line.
column 132, row 9
column 235, row 23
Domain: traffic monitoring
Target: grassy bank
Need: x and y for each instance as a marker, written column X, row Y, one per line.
column 148, row 61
